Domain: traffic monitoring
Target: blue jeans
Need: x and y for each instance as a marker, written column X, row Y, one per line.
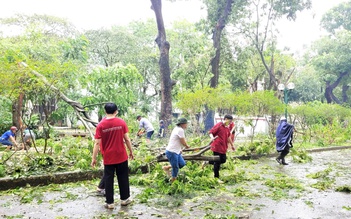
column 177, row 162
column 5, row 142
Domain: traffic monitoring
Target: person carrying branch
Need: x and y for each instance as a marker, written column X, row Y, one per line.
column 145, row 125
column 174, row 149
column 220, row 135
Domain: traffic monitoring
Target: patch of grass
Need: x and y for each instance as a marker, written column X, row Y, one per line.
column 346, row 208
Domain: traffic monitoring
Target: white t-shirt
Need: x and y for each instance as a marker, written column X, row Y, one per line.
column 146, row 124
column 174, row 144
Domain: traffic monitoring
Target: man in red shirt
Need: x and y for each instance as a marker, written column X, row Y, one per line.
column 112, row 133
column 221, row 136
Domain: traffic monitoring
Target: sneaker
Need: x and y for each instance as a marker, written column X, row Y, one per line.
column 205, row 163
column 126, row 202
column 110, row 206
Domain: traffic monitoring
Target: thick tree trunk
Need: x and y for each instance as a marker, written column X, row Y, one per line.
column 216, row 37
column 329, row 96
column 17, row 111
column 345, row 97
column 165, row 72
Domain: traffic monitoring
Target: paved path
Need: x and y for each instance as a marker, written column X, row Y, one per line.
column 79, row 201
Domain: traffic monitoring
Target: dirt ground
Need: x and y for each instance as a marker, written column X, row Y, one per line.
column 81, row 202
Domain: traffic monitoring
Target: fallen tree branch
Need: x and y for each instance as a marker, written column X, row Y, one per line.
column 79, row 108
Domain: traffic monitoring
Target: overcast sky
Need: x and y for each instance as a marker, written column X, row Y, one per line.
column 92, row 14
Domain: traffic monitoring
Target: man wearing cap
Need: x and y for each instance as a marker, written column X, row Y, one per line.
column 174, row 149
column 284, row 137
column 9, row 135
column 145, row 124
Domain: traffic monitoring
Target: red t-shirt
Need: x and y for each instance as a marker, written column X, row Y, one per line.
column 111, row 132
column 220, row 144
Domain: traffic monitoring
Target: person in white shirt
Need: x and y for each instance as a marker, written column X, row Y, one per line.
column 145, row 125
column 174, row 149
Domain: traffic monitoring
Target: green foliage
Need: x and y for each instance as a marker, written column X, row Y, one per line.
column 346, row 189
column 258, row 103
column 255, row 147
column 5, row 114
column 2, row 170
column 325, row 181
column 211, row 216
column 337, row 18
column 282, row 181
column 116, row 83
column 320, row 174
column 300, row 155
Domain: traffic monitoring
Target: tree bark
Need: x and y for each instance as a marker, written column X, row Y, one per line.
column 345, row 97
column 17, row 111
column 216, row 38
column 165, row 72
column 328, row 94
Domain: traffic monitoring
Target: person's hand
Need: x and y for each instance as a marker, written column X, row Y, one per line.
column 93, row 163
column 131, row 156
column 233, row 148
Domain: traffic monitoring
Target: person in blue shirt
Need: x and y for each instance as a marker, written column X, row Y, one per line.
column 8, row 138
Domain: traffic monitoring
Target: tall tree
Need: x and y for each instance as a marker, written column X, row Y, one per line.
column 333, row 63
column 165, row 72
column 337, row 18
column 218, row 17
column 259, row 29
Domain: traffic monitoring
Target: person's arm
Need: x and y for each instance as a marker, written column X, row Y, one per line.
column 230, row 141
column 182, row 140
column 95, row 152
column 13, row 140
column 129, row 145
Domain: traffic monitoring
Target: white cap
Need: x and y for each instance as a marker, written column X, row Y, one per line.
column 282, row 118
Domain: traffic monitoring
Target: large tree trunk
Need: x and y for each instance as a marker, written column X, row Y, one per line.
column 216, row 38
column 345, row 97
column 165, row 72
column 17, row 111
column 329, row 95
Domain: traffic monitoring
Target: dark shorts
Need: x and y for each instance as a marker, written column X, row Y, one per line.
column 149, row 134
